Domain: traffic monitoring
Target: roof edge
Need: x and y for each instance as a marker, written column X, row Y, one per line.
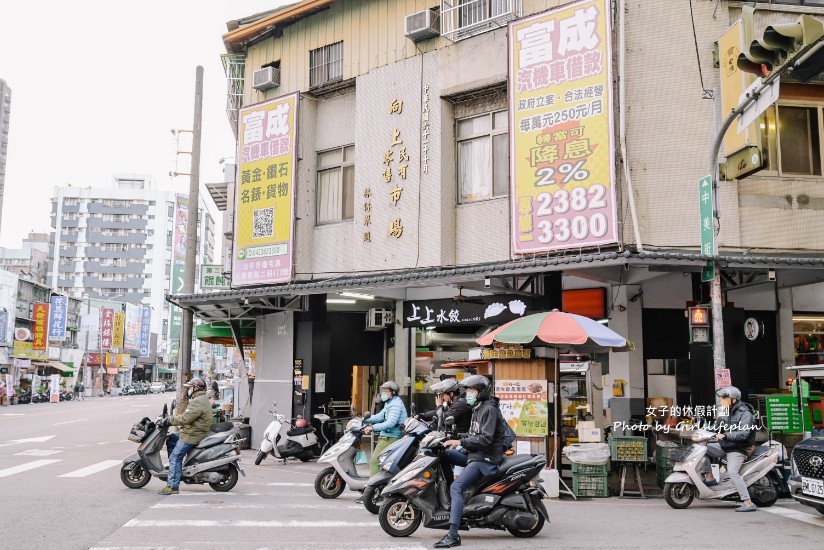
column 234, row 39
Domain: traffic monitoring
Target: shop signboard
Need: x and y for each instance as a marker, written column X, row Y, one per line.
column 58, row 315
column 25, row 350
column 117, row 331
column 54, row 388
column 131, row 328
column 468, row 310
column 40, row 314
column 783, row 414
column 525, row 405
column 562, row 165
column 211, row 277
column 107, row 329
column 507, row 351
column 145, row 331
column 20, row 363
column 264, row 199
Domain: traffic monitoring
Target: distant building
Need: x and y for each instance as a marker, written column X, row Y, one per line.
column 31, row 261
column 5, row 111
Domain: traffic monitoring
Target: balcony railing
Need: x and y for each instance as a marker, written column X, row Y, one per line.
column 462, row 19
column 234, row 65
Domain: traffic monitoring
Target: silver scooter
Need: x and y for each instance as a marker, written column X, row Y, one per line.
column 332, row 481
column 215, row 460
column 760, row 472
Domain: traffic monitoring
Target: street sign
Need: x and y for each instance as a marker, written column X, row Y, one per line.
column 705, row 202
column 783, row 414
column 708, row 273
column 211, row 276
column 767, row 97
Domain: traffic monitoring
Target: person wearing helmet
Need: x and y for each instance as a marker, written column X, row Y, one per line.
column 449, row 403
column 388, row 422
column 484, row 443
column 736, row 441
column 195, row 421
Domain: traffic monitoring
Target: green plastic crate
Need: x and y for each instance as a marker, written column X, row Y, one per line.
column 599, row 469
column 590, row 485
column 628, row 448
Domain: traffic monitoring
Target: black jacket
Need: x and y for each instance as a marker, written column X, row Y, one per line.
column 738, row 428
column 485, row 439
column 458, row 409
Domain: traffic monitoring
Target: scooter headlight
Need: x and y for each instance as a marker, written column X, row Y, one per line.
column 410, row 474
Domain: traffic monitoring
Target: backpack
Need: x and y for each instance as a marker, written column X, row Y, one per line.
column 509, row 434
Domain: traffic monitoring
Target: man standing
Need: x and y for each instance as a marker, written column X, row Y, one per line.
column 485, row 445
column 388, row 422
column 196, row 421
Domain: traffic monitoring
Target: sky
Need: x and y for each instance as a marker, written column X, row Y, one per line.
column 96, row 88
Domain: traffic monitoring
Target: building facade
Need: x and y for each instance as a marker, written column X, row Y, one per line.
column 31, row 261
column 124, row 244
column 440, row 222
column 5, row 113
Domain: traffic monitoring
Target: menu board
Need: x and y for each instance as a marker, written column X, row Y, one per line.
column 782, row 414
column 525, row 405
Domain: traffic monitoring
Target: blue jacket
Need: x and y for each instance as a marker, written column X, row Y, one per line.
column 389, row 421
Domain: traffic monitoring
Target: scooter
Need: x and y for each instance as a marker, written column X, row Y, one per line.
column 761, row 472
column 331, row 481
column 215, row 460
column 392, row 460
column 511, row 499
column 284, row 440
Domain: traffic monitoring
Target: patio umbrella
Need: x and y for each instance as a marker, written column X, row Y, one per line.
column 562, row 331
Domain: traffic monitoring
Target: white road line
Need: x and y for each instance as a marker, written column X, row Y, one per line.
column 284, row 484
column 38, row 452
column 13, row 414
column 104, row 443
column 129, row 412
column 69, row 422
column 27, row 466
column 245, row 523
column 93, row 469
column 256, row 506
column 794, row 514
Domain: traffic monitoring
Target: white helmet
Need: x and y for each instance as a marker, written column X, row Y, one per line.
column 729, row 391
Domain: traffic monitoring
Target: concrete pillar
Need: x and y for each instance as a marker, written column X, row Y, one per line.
column 627, row 366
column 786, row 342
column 402, row 352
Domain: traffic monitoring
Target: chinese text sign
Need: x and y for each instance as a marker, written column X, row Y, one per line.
column 57, row 317
column 40, row 312
column 524, row 405
column 106, row 328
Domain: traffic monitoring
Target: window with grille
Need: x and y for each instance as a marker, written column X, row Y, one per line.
column 483, row 156
column 326, row 64
column 791, row 138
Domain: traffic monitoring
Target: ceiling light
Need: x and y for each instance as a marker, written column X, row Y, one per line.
column 339, row 301
column 809, row 318
column 603, row 321
column 357, row 295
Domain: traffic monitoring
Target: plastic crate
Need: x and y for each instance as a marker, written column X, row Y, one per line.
column 590, row 485
column 599, row 469
column 661, row 474
column 628, row 448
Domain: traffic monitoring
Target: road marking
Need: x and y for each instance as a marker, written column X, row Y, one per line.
column 245, row 523
column 104, row 443
column 794, row 514
column 42, row 439
column 129, row 412
column 27, row 466
column 69, row 422
column 93, row 469
column 208, row 504
column 38, row 452
column 14, row 414
column 284, row 484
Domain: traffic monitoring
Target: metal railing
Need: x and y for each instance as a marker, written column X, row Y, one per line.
column 461, row 19
column 234, row 66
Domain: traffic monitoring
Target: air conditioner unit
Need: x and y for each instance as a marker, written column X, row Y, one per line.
column 422, row 25
column 266, row 78
column 378, row 319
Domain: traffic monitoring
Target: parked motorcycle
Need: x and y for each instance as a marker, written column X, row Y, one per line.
column 215, row 460
column 284, row 440
column 510, row 499
column 332, row 481
column 760, row 471
column 392, row 460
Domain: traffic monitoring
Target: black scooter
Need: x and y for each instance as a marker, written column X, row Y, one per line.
column 511, row 499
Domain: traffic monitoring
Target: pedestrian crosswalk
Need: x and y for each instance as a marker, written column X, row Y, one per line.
column 82, row 472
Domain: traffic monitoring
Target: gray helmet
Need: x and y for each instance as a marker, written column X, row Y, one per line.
column 197, row 384
column 390, row 385
column 729, row 391
column 449, row 385
column 479, row 382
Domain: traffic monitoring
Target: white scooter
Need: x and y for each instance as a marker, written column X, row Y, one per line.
column 761, row 473
column 341, row 472
column 284, row 440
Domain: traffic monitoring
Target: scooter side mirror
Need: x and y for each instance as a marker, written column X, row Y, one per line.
column 165, row 410
column 173, row 408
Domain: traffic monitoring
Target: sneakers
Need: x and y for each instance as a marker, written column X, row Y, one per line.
column 168, row 490
column 745, row 508
column 710, row 482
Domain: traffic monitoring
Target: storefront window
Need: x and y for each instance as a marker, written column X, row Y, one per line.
column 808, row 332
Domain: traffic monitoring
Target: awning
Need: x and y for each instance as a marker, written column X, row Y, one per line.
column 66, row 370
column 162, row 370
column 219, row 332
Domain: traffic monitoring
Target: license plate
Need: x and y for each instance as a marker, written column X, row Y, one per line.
column 812, row 487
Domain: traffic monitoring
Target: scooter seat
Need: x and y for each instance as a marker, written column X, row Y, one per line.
column 511, row 461
column 292, row 432
column 212, row 440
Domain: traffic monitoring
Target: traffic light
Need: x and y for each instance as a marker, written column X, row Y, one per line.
column 700, row 332
column 779, row 44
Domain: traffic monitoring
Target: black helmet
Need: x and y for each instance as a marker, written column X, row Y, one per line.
column 449, row 385
column 390, row 385
column 480, row 383
column 197, row 384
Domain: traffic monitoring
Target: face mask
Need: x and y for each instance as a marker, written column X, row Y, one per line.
column 385, row 397
column 471, row 398
column 190, row 393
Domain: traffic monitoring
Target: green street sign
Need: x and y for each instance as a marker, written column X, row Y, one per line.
column 783, row 414
column 705, row 202
column 708, row 273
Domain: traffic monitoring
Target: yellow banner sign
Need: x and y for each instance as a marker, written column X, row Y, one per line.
column 561, row 130
column 264, row 199
column 119, row 326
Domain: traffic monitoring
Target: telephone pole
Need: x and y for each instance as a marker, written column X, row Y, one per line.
column 184, row 361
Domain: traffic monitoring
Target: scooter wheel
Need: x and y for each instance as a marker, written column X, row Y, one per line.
column 329, row 484
column 259, row 458
column 528, row 533
column 134, row 478
column 679, row 495
column 228, row 483
column 372, row 497
column 398, row 517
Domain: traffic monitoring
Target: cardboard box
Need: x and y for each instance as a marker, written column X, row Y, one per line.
column 588, row 433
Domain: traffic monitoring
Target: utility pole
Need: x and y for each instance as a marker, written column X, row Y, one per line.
column 184, row 358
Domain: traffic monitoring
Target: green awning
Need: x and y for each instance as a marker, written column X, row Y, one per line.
column 162, row 370
column 219, row 332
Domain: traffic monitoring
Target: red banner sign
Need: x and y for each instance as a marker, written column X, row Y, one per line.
column 40, row 313
column 107, row 329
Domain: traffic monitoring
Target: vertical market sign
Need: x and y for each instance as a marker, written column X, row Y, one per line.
column 145, row 331
column 264, row 201
column 117, row 332
column 561, row 139
column 40, row 312
column 58, row 315
column 106, row 328
column 131, row 333
column 178, row 260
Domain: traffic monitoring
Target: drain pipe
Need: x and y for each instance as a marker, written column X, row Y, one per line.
column 622, row 132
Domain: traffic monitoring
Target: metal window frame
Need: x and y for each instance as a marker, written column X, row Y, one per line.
column 777, row 169
column 490, row 134
column 326, row 64
column 340, row 166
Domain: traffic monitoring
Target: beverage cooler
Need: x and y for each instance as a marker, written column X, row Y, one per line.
column 581, row 395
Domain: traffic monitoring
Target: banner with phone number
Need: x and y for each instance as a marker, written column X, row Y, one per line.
column 561, row 129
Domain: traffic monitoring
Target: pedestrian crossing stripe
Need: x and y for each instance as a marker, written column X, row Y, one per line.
column 93, row 469
column 27, row 466
column 82, row 472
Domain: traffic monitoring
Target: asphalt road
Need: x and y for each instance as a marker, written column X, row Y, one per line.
column 59, row 477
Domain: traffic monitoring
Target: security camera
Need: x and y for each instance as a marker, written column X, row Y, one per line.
column 487, row 282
